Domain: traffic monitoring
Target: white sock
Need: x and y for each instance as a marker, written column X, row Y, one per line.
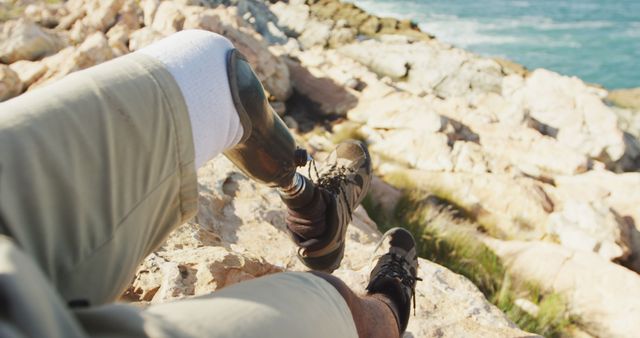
column 197, row 61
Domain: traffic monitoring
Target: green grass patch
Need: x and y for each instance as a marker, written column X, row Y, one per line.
column 447, row 236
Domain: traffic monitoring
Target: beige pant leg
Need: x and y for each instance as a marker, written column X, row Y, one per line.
column 284, row 305
column 29, row 306
column 95, row 171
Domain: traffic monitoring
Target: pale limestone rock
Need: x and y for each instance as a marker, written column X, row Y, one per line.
column 101, row 14
column 316, row 33
column 149, row 8
column 94, row 50
column 620, row 191
column 469, row 157
column 601, row 295
column 580, row 117
column 168, row 18
column 505, row 111
column 46, row 15
column 208, row 19
column 429, row 67
column 383, row 64
column 292, row 18
column 341, row 36
column 239, row 233
column 29, row 71
column 592, row 227
column 398, row 110
column 10, row 84
column 79, row 32
column 420, row 150
column 130, row 15
column 118, row 37
column 193, row 262
column 75, row 12
column 143, row 37
column 529, row 151
column 24, row 40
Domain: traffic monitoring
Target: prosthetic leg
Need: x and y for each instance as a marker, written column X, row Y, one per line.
column 318, row 214
column 267, row 152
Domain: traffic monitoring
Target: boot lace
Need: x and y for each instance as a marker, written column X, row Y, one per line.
column 393, row 267
column 332, row 180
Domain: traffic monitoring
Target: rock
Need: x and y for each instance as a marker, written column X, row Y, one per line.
column 149, row 8
column 580, row 117
column 168, row 18
column 398, row 110
column 10, row 84
column 271, row 70
column 75, row 12
column 130, row 15
column 29, row 71
column 316, row 33
column 428, row 68
column 469, row 157
column 101, row 14
column 341, row 36
column 618, row 192
column 592, row 227
column 382, row 64
column 46, row 15
column 94, row 50
column 330, row 97
column 239, row 233
column 292, row 18
column 371, row 26
column 193, row 262
column 118, row 37
column 415, row 149
column 384, row 195
column 511, row 68
column 601, row 295
column 625, row 98
column 79, row 32
column 24, row 40
column 143, row 37
column 529, row 151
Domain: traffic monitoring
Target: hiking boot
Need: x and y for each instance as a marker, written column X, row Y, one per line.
column 319, row 228
column 395, row 273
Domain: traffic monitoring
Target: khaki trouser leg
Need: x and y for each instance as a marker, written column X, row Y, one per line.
column 291, row 304
column 95, row 171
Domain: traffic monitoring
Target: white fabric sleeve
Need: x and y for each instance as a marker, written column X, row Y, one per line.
column 197, row 61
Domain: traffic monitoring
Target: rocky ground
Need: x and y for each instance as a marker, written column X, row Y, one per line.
column 543, row 166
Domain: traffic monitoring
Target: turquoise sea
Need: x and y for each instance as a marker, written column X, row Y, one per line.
column 596, row 40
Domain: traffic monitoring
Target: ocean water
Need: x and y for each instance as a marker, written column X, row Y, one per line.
column 596, row 40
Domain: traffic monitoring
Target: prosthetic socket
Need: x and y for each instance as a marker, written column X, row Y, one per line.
column 267, row 152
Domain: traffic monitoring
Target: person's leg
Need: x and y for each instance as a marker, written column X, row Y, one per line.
column 291, row 304
column 283, row 305
column 29, row 306
column 372, row 314
column 97, row 168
